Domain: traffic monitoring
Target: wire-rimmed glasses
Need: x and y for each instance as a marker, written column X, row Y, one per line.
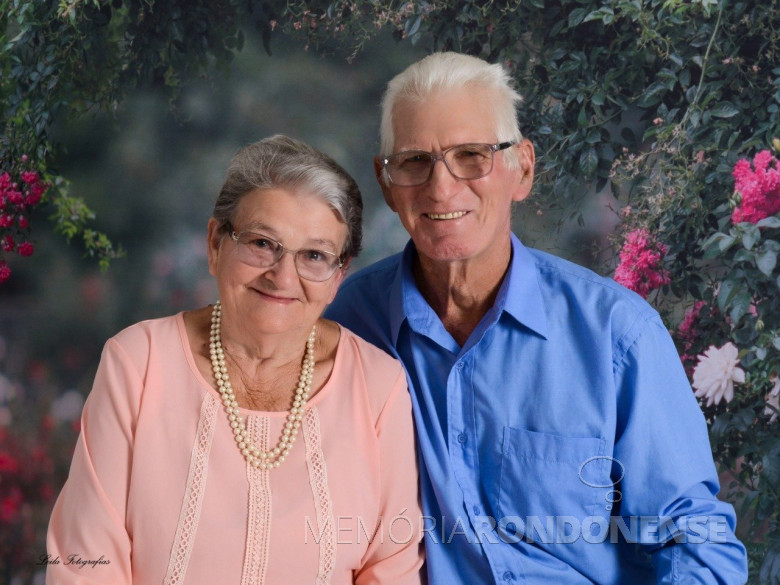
column 262, row 251
column 411, row 168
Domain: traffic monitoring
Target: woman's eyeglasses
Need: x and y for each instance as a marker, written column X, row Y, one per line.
column 262, row 251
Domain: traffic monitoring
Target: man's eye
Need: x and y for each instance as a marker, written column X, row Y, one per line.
column 413, row 159
column 468, row 153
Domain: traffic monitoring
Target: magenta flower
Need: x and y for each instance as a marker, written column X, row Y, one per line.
column 641, row 263
column 25, row 249
column 5, row 271
column 759, row 188
column 7, row 243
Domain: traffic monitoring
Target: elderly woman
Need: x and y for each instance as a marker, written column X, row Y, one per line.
column 250, row 441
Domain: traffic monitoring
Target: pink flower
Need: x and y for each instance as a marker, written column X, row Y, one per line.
column 687, row 332
column 7, row 243
column 759, row 188
column 30, row 177
column 5, row 272
column 14, row 197
column 36, row 192
column 641, row 263
column 9, row 506
column 25, row 249
column 6, row 220
column 23, row 222
column 8, row 464
column 716, row 373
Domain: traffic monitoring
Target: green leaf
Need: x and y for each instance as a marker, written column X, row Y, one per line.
column 716, row 244
column 576, row 16
column 766, row 261
column 740, row 304
column 724, row 110
column 589, row 161
column 751, row 236
column 769, row 222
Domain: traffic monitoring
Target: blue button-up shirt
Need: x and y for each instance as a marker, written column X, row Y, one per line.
column 562, row 443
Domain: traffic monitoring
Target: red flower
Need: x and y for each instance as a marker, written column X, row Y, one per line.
column 641, row 263
column 30, row 177
column 26, row 249
column 7, row 243
column 759, row 188
column 6, row 220
column 9, row 506
column 5, row 272
column 23, row 222
column 14, row 196
column 8, row 464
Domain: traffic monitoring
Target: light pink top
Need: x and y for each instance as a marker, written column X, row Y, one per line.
column 159, row 489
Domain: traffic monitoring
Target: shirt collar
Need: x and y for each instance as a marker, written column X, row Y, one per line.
column 519, row 295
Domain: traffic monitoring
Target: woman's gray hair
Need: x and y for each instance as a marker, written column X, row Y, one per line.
column 449, row 71
column 280, row 162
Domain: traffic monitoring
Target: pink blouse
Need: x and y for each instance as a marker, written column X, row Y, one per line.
column 158, row 491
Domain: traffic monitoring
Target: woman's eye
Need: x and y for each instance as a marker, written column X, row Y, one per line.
column 315, row 256
column 261, row 243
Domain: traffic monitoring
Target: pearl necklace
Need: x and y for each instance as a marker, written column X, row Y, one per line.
column 254, row 456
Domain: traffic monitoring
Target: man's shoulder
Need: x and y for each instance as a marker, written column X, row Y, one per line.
column 380, row 274
column 561, row 279
column 363, row 301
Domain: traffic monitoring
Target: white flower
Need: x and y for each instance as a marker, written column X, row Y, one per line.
column 773, row 399
column 67, row 407
column 716, row 372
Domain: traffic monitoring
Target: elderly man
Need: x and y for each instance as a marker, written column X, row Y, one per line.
column 559, row 439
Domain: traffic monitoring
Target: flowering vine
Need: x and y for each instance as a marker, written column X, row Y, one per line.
column 21, row 191
column 641, row 263
column 757, row 188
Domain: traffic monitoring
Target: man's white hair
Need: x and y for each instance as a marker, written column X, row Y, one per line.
column 441, row 72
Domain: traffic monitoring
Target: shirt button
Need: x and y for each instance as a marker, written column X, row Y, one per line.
column 462, row 438
column 459, row 365
column 509, row 576
column 476, row 510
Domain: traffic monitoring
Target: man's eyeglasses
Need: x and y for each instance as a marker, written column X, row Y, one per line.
column 464, row 161
column 262, row 251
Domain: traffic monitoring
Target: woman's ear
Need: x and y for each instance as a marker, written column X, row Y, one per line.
column 213, row 241
column 338, row 278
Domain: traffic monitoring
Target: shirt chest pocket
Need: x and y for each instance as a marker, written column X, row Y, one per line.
column 544, row 475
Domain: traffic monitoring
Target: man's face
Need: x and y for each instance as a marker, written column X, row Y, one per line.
column 453, row 219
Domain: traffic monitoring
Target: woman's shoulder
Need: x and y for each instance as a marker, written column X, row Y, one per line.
column 377, row 374
column 142, row 338
column 369, row 354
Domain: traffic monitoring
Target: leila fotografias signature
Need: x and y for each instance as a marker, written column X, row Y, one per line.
column 73, row 559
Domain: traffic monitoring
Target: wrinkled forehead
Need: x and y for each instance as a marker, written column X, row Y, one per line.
column 444, row 118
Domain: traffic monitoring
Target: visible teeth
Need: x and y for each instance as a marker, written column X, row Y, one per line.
column 453, row 215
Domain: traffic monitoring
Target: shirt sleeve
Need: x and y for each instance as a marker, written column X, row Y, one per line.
column 668, row 472
column 395, row 555
column 88, row 541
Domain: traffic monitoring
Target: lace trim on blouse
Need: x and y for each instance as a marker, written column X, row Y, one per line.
column 323, row 505
column 193, row 495
column 258, row 539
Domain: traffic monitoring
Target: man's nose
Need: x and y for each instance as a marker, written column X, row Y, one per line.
column 442, row 183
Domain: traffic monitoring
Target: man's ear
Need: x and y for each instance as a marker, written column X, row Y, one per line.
column 213, row 241
column 381, row 178
column 526, row 159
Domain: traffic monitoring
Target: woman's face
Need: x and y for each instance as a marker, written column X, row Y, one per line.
column 275, row 299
